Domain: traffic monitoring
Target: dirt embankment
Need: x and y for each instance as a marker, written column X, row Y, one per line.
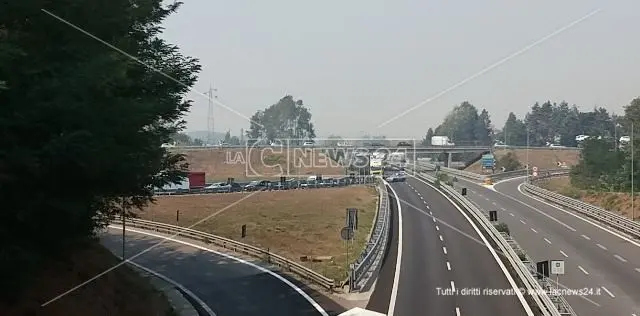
column 618, row 202
column 243, row 164
column 541, row 158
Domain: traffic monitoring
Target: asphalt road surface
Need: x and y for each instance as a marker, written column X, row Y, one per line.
column 440, row 255
column 227, row 286
column 601, row 270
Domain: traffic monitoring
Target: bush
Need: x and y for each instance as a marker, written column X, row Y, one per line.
column 522, row 256
column 436, row 183
column 503, row 228
column 510, row 162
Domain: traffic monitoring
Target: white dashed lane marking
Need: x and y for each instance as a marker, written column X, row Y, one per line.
column 441, row 238
column 523, row 222
column 511, row 214
column 586, row 237
column 620, row 258
column 564, row 254
column 602, row 247
column 437, row 228
column 548, row 241
column 533, row 230
column 608, row 292
column 444, row 249
column 583, row 270
column 448, row 266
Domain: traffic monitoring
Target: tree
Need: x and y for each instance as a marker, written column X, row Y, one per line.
column 287, row 119
column 227, row 137
column 182, row 139
column 514, row 132
column 509, row 162
column 462, row 125
column 427, row 138
column 85, row 117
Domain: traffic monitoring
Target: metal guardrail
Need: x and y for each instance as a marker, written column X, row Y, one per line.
column 541, row 300
column 493, row 177
column 366, row 265
column 607, row 217
column 277, row 260
column 560, row 302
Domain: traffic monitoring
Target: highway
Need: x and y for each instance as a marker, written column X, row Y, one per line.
column 439, row 253
column 227, row 286
column 602, row 265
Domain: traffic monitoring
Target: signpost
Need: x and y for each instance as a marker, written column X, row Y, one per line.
column 352, row 218
column 488, row 161
column 535, row 171
column 347, row 234
column 557, row 268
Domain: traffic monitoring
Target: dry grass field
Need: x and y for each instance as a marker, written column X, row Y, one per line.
column 290, row 223
column 612, row 201
column 119, row 292
column 243, row 164
column 541, row 158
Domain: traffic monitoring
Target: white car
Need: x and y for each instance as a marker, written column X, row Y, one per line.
column 308, row 144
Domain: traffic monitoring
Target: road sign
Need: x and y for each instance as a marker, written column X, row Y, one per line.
column 535, row 169
column 535, row 173
column 557, row 267
column 346, row 233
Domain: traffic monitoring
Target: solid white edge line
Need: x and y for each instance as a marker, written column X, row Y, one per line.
column 619, row 235
column 253, row 265
column 457, row 311
column 396, row 276
column 608, row 292
column 533, row 208
column 506, row 273
column 176, row 284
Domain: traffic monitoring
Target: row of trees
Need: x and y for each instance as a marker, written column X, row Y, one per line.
column 182, row 139
column 604, row 166
column 465, row 126
column 84, row 121
column 287, row 119
column 546, row 123
column 552, row 123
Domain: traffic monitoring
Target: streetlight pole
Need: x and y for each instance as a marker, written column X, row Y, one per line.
column 633, row 197
column 527, row 156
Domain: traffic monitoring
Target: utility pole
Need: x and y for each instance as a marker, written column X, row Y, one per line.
column 210, row 127
column 633, row 197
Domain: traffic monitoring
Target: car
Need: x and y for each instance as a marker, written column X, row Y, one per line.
column 256, row 185
column 403, row 144
column 308, row 144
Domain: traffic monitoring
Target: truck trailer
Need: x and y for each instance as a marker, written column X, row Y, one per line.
column 441, row 141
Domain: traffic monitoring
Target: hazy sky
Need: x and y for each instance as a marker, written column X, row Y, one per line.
column 358, row 63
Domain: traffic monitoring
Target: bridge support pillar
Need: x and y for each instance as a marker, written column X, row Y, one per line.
column 449, row 155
